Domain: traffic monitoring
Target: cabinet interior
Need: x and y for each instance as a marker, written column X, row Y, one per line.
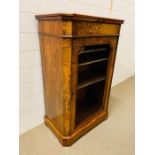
column 92, row 69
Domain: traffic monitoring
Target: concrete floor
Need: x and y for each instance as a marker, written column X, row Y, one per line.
column 115, row 136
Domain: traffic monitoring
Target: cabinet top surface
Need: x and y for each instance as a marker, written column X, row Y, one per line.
column 77, row 17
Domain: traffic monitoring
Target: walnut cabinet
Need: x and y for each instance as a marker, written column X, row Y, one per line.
column 78, row 55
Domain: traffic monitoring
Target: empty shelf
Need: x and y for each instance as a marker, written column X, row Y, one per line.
column 93, row 50
column 93, row 61
column 91, row 81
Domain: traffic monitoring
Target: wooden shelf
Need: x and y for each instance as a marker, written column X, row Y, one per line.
column 93, row 50
column 91, row 81
column 91, row 62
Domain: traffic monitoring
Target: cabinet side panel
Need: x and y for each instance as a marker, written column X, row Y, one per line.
column 51, row 27
column 55, row 28
column 52, row 65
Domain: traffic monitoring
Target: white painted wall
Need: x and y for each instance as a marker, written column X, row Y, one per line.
column 31, row 86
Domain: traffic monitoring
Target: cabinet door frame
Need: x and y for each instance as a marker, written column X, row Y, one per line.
column 77, row 46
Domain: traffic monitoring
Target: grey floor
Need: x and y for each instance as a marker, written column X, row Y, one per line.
column 115, row 136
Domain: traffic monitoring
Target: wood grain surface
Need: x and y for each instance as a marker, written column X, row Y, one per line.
column 62, row 39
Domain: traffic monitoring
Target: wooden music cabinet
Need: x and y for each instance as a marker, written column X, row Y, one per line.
column 78, row 56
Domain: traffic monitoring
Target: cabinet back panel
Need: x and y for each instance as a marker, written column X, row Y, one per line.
column 89, row 101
